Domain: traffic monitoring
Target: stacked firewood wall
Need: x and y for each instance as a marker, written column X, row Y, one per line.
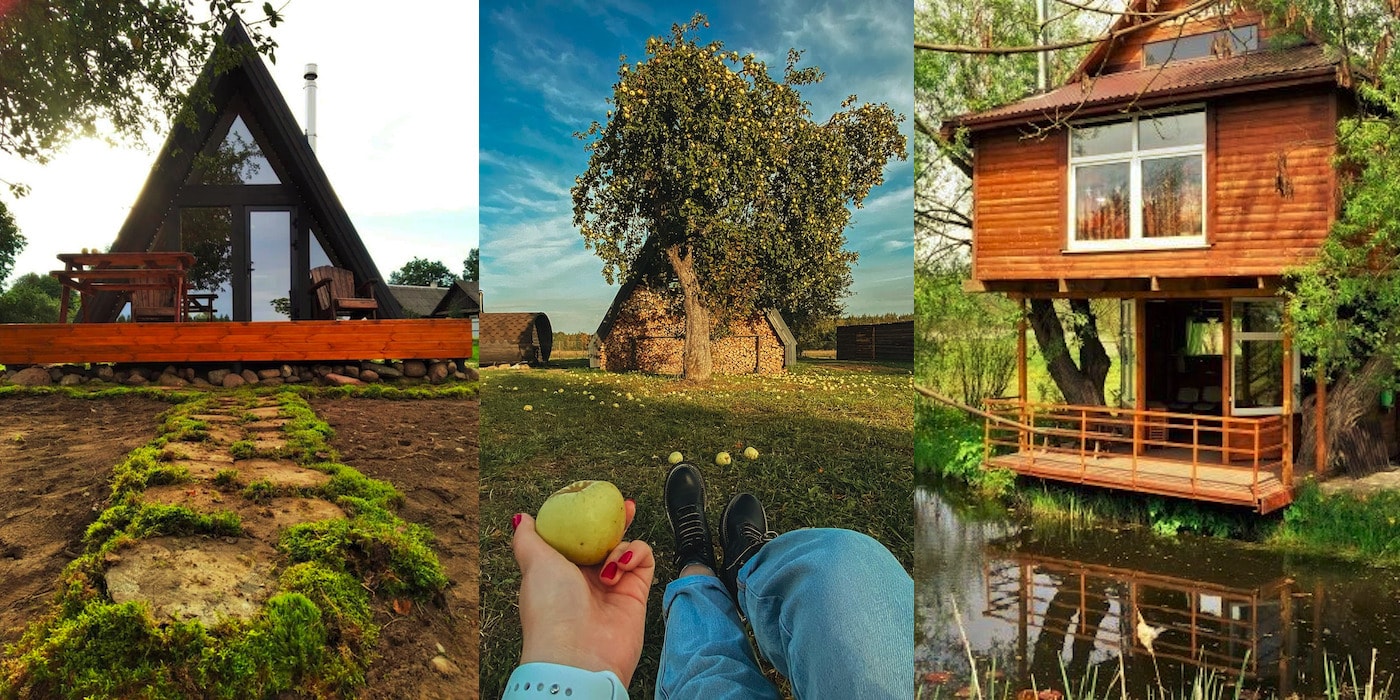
column 648, row 335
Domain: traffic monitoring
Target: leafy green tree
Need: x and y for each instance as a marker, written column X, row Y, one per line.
column 11, row 243
column 471, row 267
column 1344, row 306
column 953, row 76
column 720, row 172
column 32, row 298
column 423, row 273
column 72, row 65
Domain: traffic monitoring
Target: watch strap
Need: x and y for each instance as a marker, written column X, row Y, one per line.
column 546, row 681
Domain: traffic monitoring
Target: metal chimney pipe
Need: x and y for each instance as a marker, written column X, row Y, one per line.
column 310, row 89
column 1042, row 73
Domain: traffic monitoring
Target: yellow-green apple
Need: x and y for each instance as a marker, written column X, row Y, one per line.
column 583, row 521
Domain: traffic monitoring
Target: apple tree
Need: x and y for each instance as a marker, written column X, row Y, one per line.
column 720, row 171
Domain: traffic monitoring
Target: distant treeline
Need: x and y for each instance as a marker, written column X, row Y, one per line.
column 820, row 335
column 571, row 341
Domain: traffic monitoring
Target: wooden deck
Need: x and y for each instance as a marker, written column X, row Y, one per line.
column 1221, row 459
column 1163, row 477
column 257, row 341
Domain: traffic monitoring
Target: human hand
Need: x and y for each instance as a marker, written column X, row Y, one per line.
column 587, row 617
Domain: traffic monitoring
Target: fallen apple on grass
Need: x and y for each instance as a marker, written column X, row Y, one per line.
column 723, row 459
column 675, row 458
column 750, row 452
column 583, row 521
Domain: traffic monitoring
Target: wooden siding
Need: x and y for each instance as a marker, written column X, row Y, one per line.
column 1126, row 53
column 1021, row 185
column 648, row 336
column 877, row 341
column 242, row 341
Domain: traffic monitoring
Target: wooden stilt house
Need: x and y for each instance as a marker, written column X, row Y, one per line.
column 1183, row 169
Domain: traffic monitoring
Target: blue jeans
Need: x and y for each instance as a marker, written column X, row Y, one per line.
column 832, row 610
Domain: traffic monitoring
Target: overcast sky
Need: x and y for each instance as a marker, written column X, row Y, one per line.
column 547, row 70
column 397, row 136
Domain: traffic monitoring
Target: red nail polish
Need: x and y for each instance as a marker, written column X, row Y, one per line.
column 515, row 521
column 626, row 557
column 609, row 571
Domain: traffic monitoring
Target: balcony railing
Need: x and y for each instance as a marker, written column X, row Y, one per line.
column 1199, row 454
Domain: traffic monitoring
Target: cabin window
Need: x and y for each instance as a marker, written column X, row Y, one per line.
column 1257, row 363
column 1226, row 42
column 1138, row 183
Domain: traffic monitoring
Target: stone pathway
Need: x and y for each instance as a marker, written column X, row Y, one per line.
column 1387, row 480
column 209, row 578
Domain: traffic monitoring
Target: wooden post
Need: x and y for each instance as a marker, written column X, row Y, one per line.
column 1287, row 423
column 1227, row 364
column 1139, row 371
column 1321, row 419
column 1021, row 380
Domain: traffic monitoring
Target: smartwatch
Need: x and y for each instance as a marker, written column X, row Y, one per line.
column 546, row 681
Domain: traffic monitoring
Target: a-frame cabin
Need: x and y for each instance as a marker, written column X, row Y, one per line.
column 241, row 182
column 1183, row 169
column 237, row 186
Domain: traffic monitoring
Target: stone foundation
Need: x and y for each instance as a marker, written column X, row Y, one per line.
column 407, row 372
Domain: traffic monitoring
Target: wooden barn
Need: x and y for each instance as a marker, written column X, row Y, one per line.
column 893, row 342
column 515, row 337
column 1182, row 169
column 237, row 222
column 643, row 331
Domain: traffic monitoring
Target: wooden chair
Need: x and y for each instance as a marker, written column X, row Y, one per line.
column 153, row 305
column 335, row 295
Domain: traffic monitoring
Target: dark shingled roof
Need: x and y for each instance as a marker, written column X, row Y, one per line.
column 1179, row 81
column 416, row 300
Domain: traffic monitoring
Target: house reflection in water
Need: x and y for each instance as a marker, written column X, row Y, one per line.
column 1085, row 615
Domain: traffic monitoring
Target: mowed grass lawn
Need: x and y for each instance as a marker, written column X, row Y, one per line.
column 835, row 444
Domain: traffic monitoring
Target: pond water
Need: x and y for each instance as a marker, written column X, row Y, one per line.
column 1036, row 602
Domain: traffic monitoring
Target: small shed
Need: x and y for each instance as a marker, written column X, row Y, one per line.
column 876, row 341
column 462, row 300
column 643, row 332
column 417, row 301
column 515, row 337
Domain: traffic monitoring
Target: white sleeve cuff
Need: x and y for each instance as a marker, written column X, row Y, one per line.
column 545, row 681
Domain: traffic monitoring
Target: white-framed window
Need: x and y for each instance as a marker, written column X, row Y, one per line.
column 1138, row 183
column 1257, row 362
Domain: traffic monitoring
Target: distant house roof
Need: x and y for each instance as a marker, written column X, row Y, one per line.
column 247, row 89
column 1175, row 82
column 416, row 300
column 463, row 298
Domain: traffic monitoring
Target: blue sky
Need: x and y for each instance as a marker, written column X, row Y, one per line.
column 547, row 69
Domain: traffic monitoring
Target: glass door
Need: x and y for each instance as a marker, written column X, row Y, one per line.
column 270, row 254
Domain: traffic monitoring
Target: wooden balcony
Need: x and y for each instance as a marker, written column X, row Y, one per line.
column 235, row 341
column 1230, row 460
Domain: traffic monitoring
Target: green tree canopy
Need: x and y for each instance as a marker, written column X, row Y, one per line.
column 32, row 298
column 72, row 65
column 720, row 172
column 471, row 267
column 11, row 243
column 423, row 273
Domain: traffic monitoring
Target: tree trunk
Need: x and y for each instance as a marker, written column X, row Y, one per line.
column 695, row 358
column 1081, row 384
column 1355, row 442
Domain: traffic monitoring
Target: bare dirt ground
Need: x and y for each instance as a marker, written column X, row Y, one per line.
column 428, row 449
column 56, row 460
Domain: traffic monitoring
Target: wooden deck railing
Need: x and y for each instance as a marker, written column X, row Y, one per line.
column 1090, row 433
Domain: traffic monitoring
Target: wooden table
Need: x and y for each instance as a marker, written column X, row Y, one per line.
column 122, row 273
